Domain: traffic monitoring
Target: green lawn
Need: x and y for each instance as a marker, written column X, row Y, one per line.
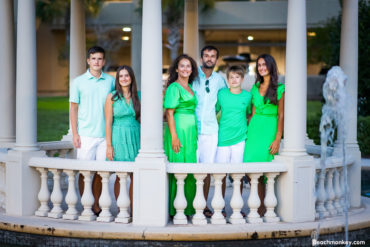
column 52, row 118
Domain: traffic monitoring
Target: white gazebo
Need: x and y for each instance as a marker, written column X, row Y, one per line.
column 292, row 188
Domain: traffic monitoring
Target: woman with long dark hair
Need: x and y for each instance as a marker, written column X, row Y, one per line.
column 180, row 141
column 122, row 120
column 266, row 125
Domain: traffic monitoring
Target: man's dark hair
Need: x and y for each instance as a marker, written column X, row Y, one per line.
column 209, row 48
column 95, row 49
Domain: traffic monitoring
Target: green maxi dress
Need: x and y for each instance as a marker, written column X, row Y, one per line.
column 184, row 103
column 262, row 127
column 125, row 131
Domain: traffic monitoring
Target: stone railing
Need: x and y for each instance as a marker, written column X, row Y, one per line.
column 67, row 207
column 330, row 187
column 237, row 171
column 58, row 202
column 61, row 149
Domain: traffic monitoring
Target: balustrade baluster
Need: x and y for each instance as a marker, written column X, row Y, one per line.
column 253, row 200
column 56, row 196
column 236, row 201
column 338, row 191
column 44, row 193
column 321, row 195
column 218, row 202
column 199, row 202
column 123, row 200
column 71, row 197
column 87, row 199
column 330, row 192
column 105, row 201
column 270, row 199
column 180, row 200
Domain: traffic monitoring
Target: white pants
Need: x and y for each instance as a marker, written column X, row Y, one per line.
column 230, row 154
column 207, row 147
column 92, row 148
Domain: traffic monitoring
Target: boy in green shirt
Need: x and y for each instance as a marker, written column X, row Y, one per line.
column 234, row 103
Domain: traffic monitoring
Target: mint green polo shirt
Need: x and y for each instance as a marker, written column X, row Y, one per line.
column 90, row 94
column 233, row 121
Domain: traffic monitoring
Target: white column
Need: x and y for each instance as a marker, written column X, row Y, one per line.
column 77, row 49
column 150, row 165
column 26, row 88
column 151, row 86
column 136, row 44
column 349, row 64
column 191, row 31
column 294, row 187
column 295, row 80
column 22, row 196
column 7, row 64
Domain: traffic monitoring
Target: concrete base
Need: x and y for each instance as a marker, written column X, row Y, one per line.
column 23, row 183
column 150, row 176
column 358, row 219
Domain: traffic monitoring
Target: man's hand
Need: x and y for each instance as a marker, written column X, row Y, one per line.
column 76, row 141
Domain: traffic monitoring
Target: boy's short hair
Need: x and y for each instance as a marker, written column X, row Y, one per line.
column 95, row 49
column 209, row 48
column 235, row 69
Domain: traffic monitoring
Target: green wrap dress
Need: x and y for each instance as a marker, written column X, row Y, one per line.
column 262, row 127
column 184, row 103
column 125, row 131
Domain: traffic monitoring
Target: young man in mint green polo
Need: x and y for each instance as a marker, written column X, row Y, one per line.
column 87, row 97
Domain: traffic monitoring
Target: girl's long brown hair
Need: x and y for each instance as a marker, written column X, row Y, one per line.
column 133, row 90
column 271, row 93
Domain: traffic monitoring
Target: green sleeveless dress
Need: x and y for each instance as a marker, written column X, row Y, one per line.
column 184, row 103
column 262, row 127
column 125, row 131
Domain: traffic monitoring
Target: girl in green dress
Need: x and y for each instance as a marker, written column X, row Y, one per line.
column 267, row 122
column 122, row 117
column 180, row 140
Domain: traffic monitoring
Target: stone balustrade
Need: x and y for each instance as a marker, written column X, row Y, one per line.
column 61, row 149
column 51, row 204
column 330, row 187
column 237, row 171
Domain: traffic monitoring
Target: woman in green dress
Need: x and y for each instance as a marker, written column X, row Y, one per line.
column 122, row 117
column 266, row 125
column 180, row 140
